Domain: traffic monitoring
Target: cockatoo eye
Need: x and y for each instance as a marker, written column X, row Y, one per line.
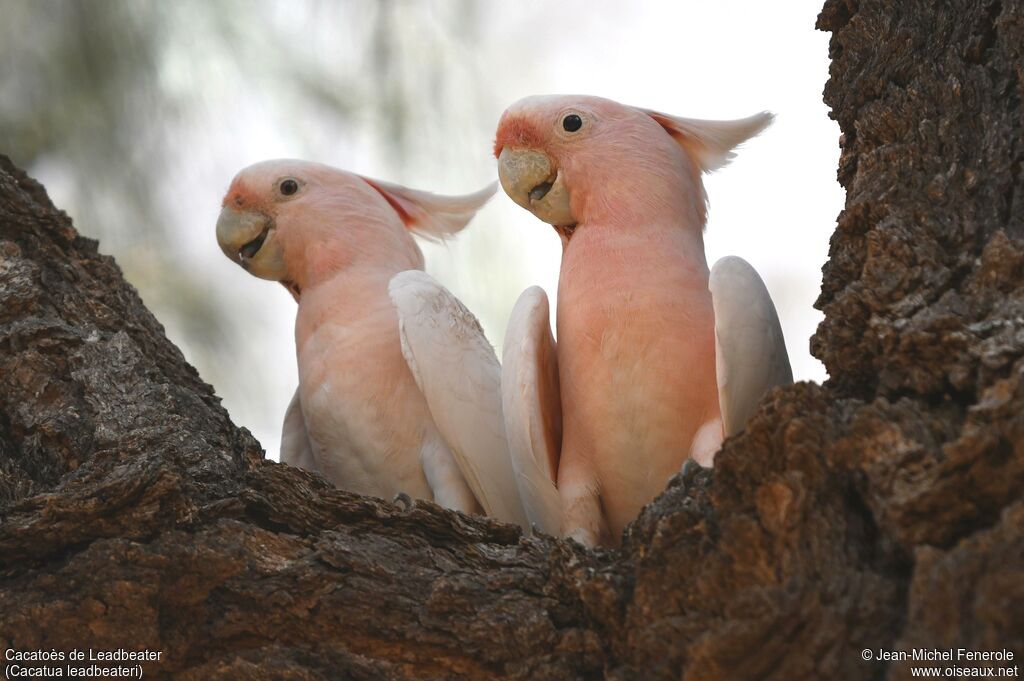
column 572, row 123
column 289, row 187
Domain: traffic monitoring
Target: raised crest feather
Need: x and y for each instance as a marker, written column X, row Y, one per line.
column 432, row 216
column 711, row 143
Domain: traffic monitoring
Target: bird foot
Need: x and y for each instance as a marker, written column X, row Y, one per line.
column 690, row 466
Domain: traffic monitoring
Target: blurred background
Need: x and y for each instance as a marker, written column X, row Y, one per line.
column 136, row 114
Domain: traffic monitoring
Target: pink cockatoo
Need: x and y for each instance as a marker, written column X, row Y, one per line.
column 336, row 240
column 657, row 360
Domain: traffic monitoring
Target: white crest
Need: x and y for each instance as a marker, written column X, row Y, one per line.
column 711, row 143
column 432, row 216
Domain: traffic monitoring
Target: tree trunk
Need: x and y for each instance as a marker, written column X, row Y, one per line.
column 881, row 511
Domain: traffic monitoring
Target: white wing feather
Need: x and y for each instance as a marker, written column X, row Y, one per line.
column 532, row 407
column 295, row 448
column 460, row 377
column 750, row 350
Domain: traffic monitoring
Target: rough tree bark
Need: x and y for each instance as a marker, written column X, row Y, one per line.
column 881, row 510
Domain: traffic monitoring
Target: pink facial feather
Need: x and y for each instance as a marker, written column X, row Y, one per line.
column 517, row 131
column 240, row 196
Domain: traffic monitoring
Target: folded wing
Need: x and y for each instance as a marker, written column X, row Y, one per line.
column 750, row 351
column 295, row 448
column 532, row 408
column 458, row 373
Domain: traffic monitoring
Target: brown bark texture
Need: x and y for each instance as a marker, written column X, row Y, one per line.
column 883, row 510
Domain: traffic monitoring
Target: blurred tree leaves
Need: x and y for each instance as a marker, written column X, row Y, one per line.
column 78, row 78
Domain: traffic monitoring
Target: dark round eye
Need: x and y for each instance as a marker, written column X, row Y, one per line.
column 289, row 187
column 572, row 123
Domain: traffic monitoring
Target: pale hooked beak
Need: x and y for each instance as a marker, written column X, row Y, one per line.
column 246, row 237
column 531, row 180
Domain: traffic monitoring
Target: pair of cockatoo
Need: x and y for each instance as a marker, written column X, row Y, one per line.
column 400, row 392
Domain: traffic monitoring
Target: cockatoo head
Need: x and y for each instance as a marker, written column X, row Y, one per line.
column 570, row 159
column 299, row 222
